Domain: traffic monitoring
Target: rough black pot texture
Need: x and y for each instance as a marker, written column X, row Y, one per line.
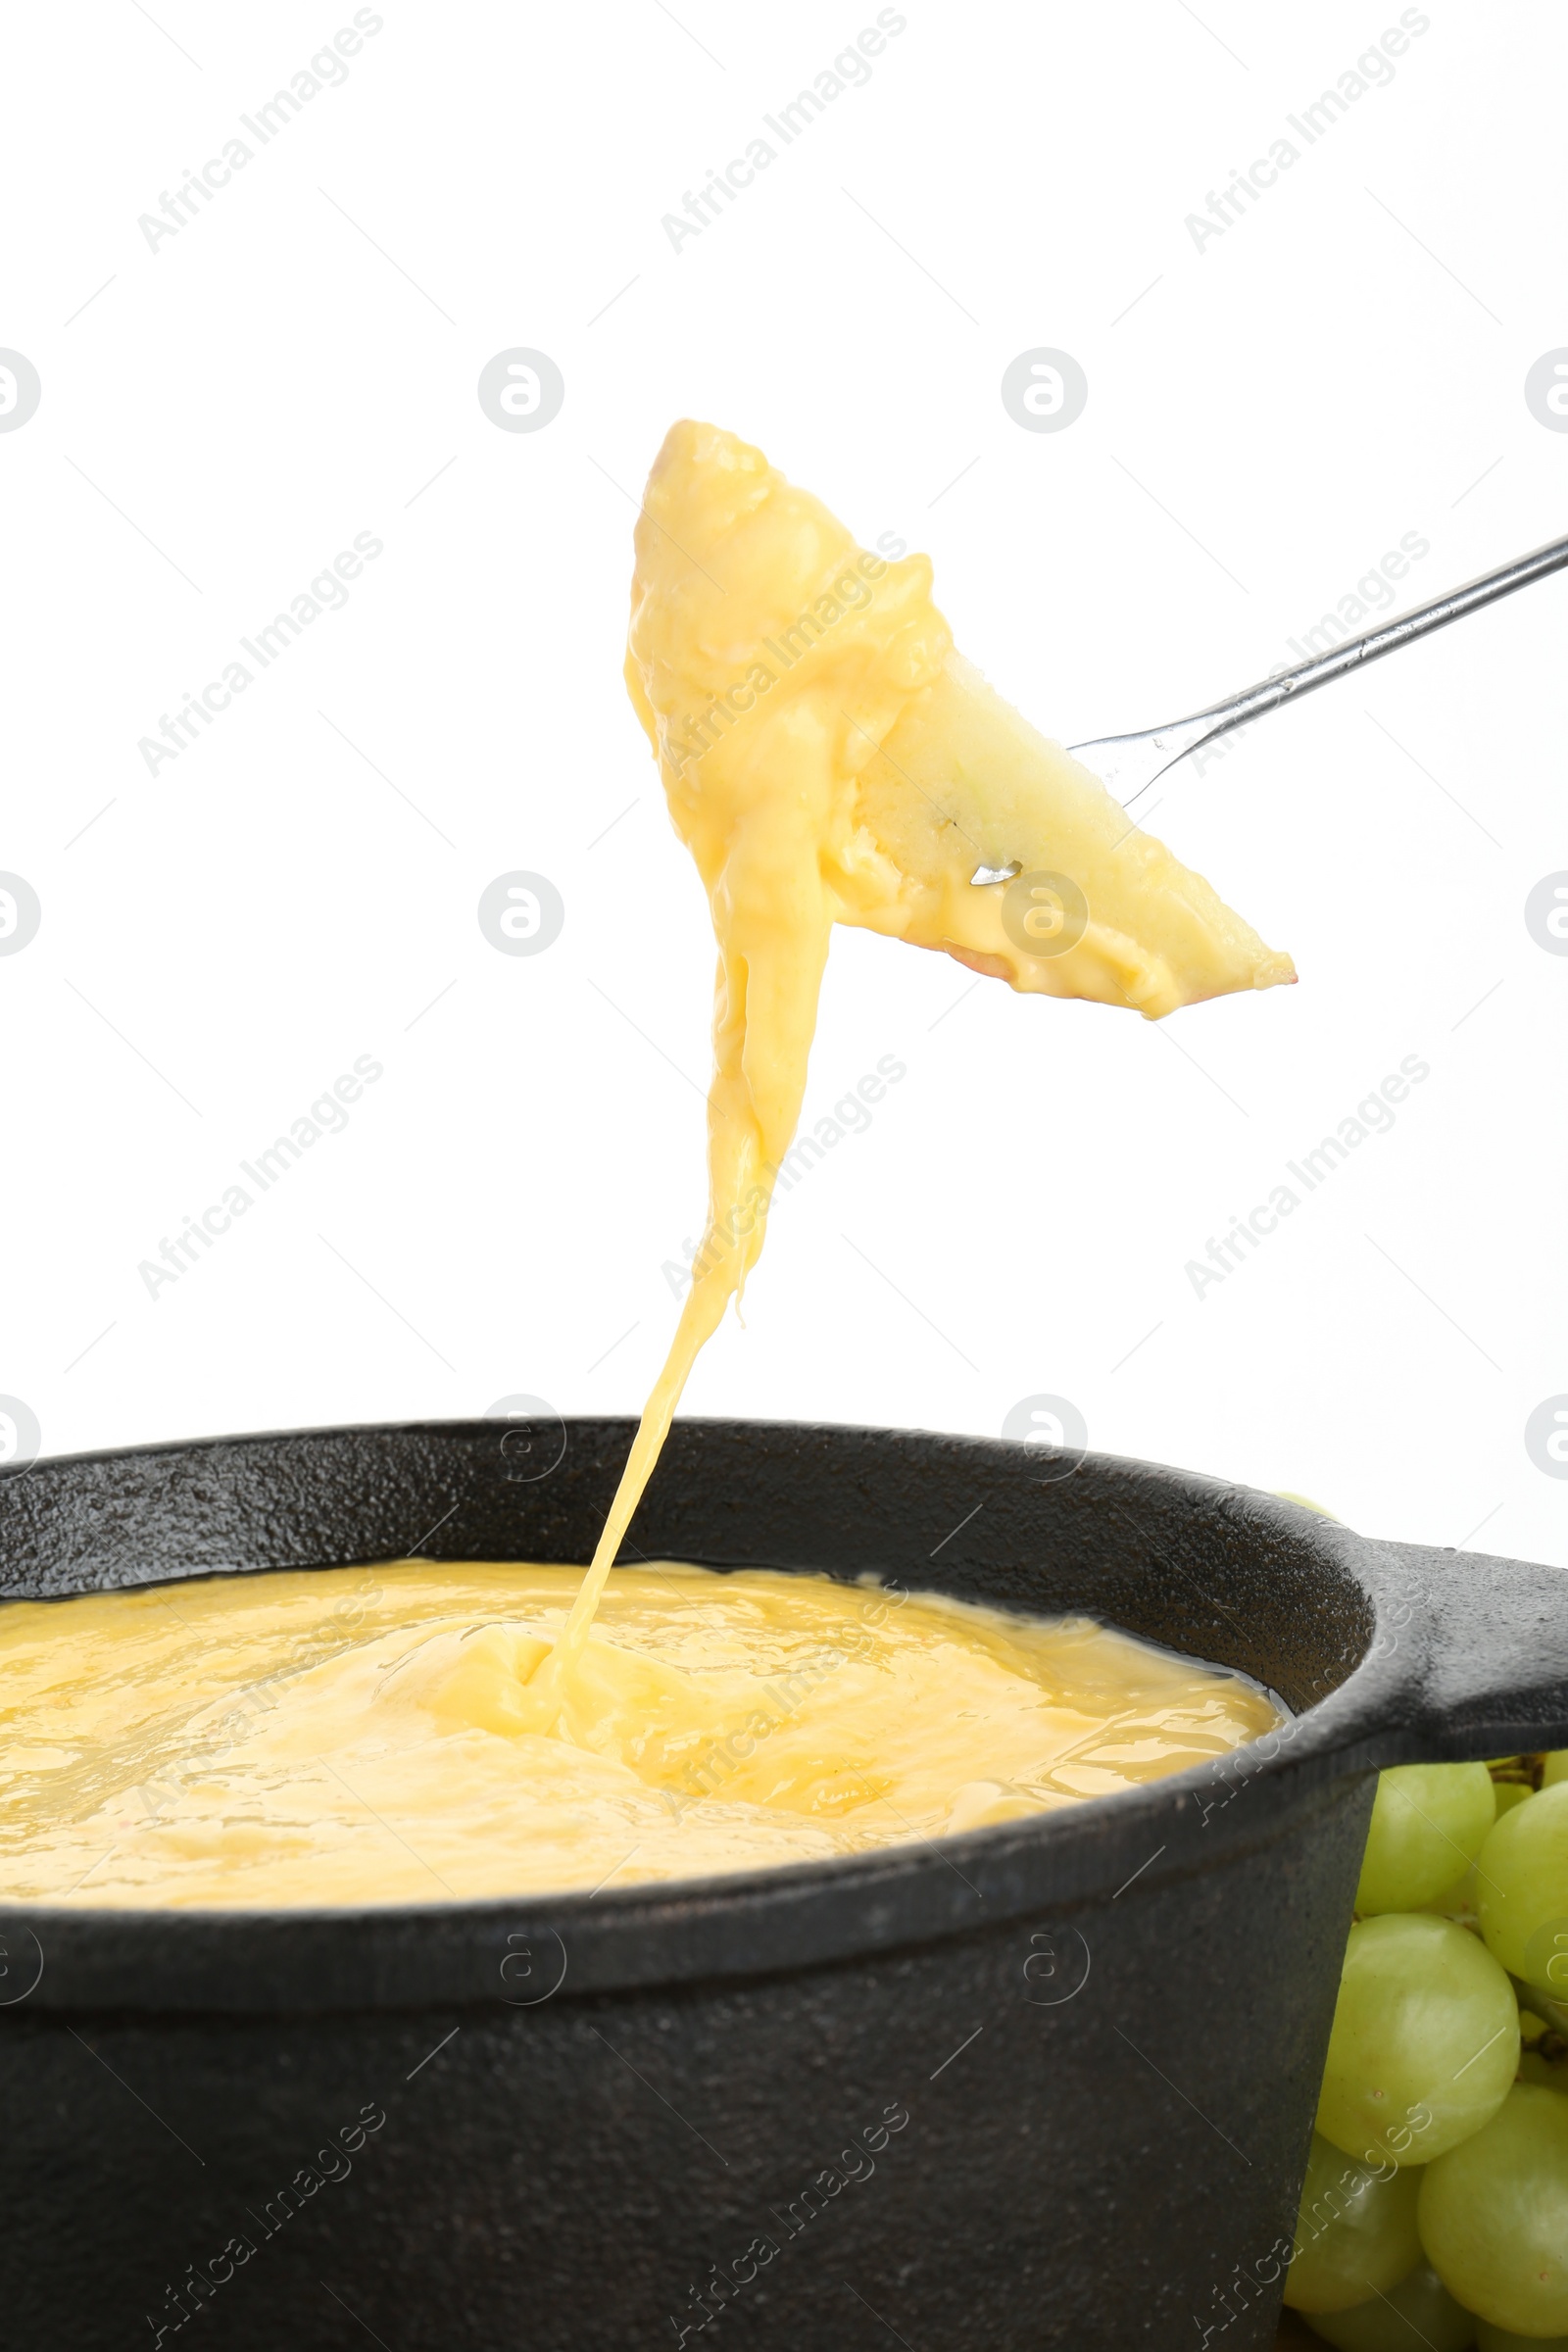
column 1049, row 2085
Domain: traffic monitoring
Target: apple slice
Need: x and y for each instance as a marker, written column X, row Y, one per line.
column 810, row 710
column 1099, row 908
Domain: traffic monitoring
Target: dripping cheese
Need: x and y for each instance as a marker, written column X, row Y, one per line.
column 829, row 758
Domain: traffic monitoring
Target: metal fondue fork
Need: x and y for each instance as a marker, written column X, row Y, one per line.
column 1127, row 764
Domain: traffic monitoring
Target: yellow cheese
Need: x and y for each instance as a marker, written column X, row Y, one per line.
column 372, row 1735
column 828, row 757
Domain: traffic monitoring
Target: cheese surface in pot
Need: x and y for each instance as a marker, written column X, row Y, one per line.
column 372, row 1735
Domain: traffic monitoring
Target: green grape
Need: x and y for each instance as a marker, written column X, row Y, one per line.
column 1419, row 2315
column 1524, row 1890
column 1494, row 2216
column 1356, row 2232
column 1503, row 2340
column 1510, row 1794
column 1425, row 2043
column 1429, row 1823
column 1556, row 1768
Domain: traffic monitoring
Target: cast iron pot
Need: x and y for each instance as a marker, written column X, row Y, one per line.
column 1046, row 2085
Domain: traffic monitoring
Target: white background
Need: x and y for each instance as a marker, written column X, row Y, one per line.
column 1266, row 417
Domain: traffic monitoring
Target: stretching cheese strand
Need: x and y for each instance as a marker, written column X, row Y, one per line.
column 829, row 758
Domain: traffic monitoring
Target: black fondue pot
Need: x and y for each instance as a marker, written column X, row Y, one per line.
column 1049, row 2083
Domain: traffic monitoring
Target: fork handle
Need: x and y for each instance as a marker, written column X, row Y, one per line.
column 1253, row 701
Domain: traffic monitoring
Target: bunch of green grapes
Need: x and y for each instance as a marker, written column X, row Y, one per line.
column 1436, row 2207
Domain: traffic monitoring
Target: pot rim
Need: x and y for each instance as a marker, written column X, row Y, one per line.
column 834, row 1909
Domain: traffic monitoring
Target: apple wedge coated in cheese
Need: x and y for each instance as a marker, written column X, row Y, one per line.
column 830, row 758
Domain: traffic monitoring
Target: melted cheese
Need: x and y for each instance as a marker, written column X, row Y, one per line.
column 372, row 1735
column 829, row 758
